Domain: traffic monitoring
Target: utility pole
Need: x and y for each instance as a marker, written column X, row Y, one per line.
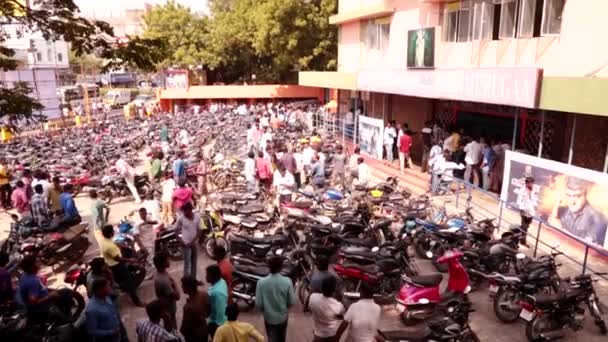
column 86, row 94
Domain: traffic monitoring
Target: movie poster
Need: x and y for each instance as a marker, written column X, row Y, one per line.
column 570, row 198
column 370, row 136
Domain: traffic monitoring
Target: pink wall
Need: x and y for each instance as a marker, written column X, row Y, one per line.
column 580, row 49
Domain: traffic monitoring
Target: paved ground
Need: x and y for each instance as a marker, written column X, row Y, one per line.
column 483, row 320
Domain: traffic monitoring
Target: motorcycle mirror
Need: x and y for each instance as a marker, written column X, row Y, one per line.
column 279, row 251
column 520, row 256
column 375, row 249
column 429, row 254
column 423, row 301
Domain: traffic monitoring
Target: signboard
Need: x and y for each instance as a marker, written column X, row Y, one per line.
column 370, row 136
column 570, row 198
column 176, row 79
column 421, row 48
column 505, row 86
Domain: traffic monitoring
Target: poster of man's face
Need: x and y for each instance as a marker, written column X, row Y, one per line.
column 568, row 202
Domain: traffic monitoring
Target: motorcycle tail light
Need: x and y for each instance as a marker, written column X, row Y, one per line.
column 525, row 305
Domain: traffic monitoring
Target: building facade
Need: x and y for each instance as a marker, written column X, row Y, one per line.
column 527, row 72
column 41, row 63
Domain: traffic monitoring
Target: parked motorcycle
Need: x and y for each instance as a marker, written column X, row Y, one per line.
column 548, row 316
column 420, row 294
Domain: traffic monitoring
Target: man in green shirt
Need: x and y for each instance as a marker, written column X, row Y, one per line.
column 164, row 133
column 273, row 297
column 218, row 299
column 155, row 167
column 99, row 213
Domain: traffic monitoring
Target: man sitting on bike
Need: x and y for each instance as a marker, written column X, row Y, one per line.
column 113, row 258
column 37, row 298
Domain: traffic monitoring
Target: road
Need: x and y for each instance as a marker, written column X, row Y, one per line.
column 483, row 321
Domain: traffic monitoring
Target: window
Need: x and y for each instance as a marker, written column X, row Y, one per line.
column 457, row 22
column 450, row 26
column 552, row 17
column 59, row 57
column 508, row 18
column 483, row 20
column 527, row 11
column 39, row 56
column 377, row 33
column 464, row 22
column 49, row 55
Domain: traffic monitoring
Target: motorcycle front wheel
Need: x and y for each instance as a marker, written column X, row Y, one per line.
column 304, row 293
column 174, row 250
column 211, row 242
column 240, row 285
column 598, row 316
column 538, row 326
column 505, row 305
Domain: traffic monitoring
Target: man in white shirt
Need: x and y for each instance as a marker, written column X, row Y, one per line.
column 128, row 173
column 389, row 140
column 40, row 177
column 472, row 158
column 168, row 185
column 250, row 172
column 444, row 168
column 307, row 154
column 363, row 172
column 326, row 312
column 362, row 318
column 265, row 121
column 283, row 183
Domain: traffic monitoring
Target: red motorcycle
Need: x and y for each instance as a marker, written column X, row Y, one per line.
column 384, row 276
column 419, row 297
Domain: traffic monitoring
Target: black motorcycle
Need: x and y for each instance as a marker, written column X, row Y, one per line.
column 548, row 316
column 536, row 276
column 450, row 323
column 168, row 241
column 246, row 273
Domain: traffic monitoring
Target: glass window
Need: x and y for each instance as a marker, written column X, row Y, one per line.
column 377, row 34
column 39, row 56
column 385, row 32
column 59, row 57
column 450, row 25
column 464, row 25
column 527, row 12
column 508, row 18
column 49, row 55
column 552, row 17
column 483, row 20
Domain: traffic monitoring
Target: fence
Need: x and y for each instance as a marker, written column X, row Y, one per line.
column 544, row 235
column 334, row 124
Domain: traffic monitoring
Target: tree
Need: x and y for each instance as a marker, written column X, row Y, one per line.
column 272, row 39
column 60, row 19
column 182, row 31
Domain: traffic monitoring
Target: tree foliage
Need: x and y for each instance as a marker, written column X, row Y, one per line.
column 61, row 20
column 272, row 39
column 182, row 31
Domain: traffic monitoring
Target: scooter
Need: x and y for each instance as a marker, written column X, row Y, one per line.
column 419, row 296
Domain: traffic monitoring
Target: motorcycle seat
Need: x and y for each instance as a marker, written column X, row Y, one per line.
column 547, row 300
column 382, row 224
column 249, row 223
column 267, row 239
column 256, row 270
column 395, row 197
column 251, row 208
column 406, row 335
column 427, row 279
column 262, row 218
column 228, row 197
column 302, row 204
column 357, row 252
column 372, row 269
column 359, row 242
column 430, row 224
column 307, row 194
column 320, row 228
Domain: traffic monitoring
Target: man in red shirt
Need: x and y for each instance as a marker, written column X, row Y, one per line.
column 405, row 144
column 181, row 196
column 264, row 170
column 225, row 268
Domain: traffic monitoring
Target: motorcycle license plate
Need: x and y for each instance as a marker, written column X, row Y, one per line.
column 400, row 308
column 526, row 315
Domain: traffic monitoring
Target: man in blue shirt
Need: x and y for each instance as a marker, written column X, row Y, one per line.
column 70, row 215
column 101, row 315
column 179, row 167
column 273, row 297
column 32, row 293
column 218, row 299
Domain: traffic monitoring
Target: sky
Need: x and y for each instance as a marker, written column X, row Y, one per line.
column 105, row 7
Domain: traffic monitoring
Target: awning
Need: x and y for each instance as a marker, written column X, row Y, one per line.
column 328, row 79
column 366, row 12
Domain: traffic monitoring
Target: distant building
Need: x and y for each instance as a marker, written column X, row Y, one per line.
column 41, row 63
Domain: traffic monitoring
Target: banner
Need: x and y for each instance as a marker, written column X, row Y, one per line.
column 370, row 136
column 570, row 198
